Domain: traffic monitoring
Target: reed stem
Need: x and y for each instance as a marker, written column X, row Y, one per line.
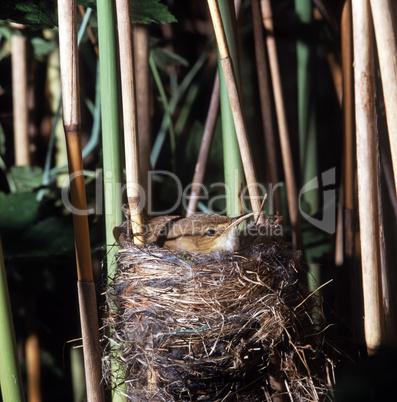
column 32, row 352
column 305, row 53
column 266, row 104
column 382, row 14
column 112, row 155
column 348, row 128
column 282, row 125
column 385, row 34
column 204, row 152
column 367, row 172
column 71, row 121
column 10, row 375
column 236, row 106
column 126, row 48
column 110, row 115
column 205, row 148
column 143, row 95
column 19, row 100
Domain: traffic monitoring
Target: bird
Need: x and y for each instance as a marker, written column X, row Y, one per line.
column 200, row 233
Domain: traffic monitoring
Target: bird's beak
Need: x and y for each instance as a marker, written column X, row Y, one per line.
column 237, row 220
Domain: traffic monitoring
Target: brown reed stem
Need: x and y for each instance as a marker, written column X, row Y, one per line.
column 265, row 101
column 91, row 349
column 336, row 73
column 19, row 100
column 382, row 14
column 71, row 120
column 33, row 369
column 143, row 100
column 282, row 125
column 205, row 148
column 126, row 48
column 235, row 104
column 32, row 351
column 348, row 128
column 339, row 235
column 21, row 96
column 206, row 141
column 367, row 172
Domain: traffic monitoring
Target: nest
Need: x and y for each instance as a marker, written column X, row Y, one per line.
column 214, row 327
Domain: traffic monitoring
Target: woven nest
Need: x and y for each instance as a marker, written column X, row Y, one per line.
column 214, row 327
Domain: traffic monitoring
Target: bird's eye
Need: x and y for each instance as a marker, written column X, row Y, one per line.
column 210, row 232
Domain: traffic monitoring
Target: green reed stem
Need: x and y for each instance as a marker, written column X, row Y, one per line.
column 234, row 175
column 10, row 376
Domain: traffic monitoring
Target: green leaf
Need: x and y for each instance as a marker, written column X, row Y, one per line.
column 42, row 47
column 36, row 14
column 5, row 32
column 5, row 40
column 50, row 236
column 26, row 178
column 17, row 211
column 147, row 11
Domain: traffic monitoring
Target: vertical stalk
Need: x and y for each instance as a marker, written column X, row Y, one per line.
column 348, row 128
column 305, row 52
column 71, row 120
column 126, row 48
column 282, row 125
column 342, row 77
column 382, row 14
column 367, row 172
column 205, row 148
column 32, row 352
column 209, row 128
column 266, row 104
column 236, row 106
column 77, row 373
column 234, row 180
column 10, row 376
column 142, row 80
column 112, row 157
column 385, row 278
column 339, row 235
column 385, row 35
column 19, row 100
column 110, row 126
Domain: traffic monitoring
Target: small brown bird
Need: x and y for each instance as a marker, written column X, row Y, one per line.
column 202, row 233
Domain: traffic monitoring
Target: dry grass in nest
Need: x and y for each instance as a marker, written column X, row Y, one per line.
column 214, row 327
